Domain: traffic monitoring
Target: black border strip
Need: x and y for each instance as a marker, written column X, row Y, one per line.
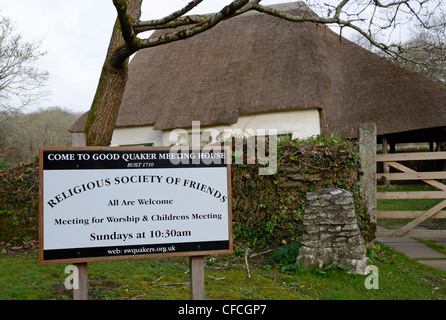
column 120, row 163
column 145, row 249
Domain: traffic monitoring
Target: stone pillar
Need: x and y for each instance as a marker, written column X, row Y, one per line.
column 331, row 233
column 367, row 152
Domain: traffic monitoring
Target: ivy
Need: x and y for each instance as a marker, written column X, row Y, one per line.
column 285, row 257
column 19, row 203
column 268, row 209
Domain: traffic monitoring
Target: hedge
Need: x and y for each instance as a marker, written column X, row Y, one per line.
column 267, row 209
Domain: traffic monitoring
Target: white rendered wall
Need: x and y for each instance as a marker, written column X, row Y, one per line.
column 299, row 123
column 129, row 136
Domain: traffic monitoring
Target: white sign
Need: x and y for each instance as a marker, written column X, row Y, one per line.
column 115, row 203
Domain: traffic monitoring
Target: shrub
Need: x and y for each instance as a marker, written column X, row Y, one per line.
column 19, row 204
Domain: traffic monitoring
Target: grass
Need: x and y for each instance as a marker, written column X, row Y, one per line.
column 226, row 278
column 5, row 165
column 433, row 244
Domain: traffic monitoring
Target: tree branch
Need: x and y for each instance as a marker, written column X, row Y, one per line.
column 126, row 21
column 142, row 26
column 291, row 17
column 180, row 21
column 186, row 20
column 210, row 21
column 393, row 50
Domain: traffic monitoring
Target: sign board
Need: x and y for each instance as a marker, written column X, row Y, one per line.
column 123, row 203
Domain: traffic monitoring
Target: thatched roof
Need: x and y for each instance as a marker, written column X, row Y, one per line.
column 258, row 63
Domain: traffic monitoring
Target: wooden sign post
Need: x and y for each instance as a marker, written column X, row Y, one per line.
column 196, row 271
column 80, row 278
column 103, row 204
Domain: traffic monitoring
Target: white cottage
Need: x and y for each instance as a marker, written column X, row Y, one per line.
column 255, row 73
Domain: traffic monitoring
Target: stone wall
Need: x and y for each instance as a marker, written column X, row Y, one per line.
column 331, row 234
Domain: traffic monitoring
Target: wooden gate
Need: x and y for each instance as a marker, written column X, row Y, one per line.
column 393, row 160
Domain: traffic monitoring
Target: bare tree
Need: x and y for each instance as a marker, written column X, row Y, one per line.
column 21, row 82
column 23, row 133
column 368, row 18
column 427, row 51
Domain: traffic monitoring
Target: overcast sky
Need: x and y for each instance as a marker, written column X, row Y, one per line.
column 75, row 34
